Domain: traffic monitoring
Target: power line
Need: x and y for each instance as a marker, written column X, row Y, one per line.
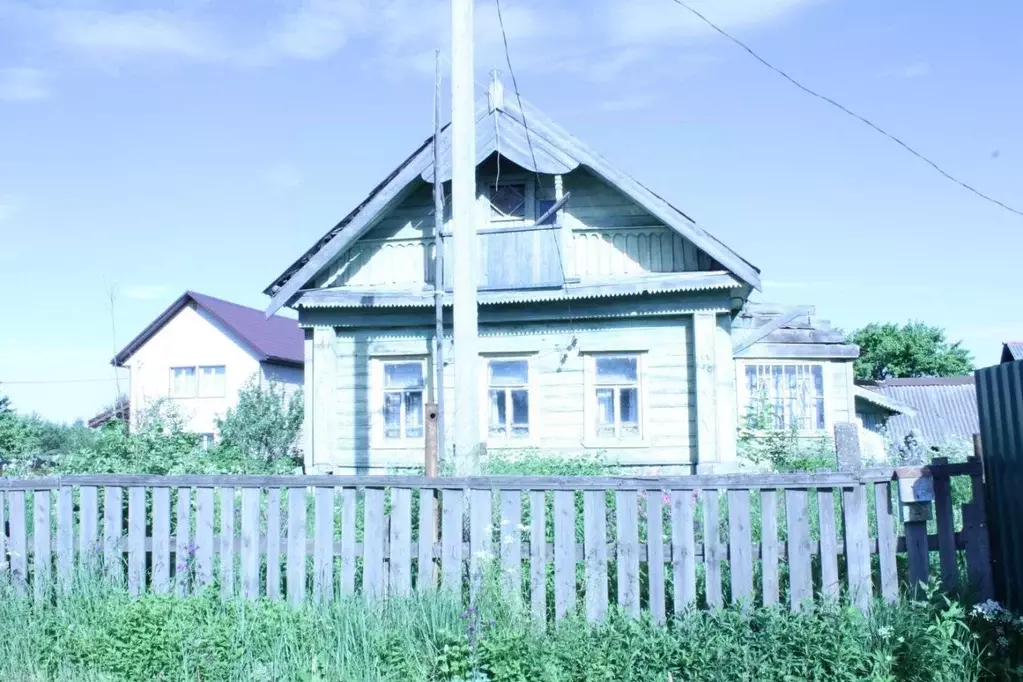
column 847, row 111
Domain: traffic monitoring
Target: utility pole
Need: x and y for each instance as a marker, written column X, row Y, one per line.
column 433, row 458
column 468, row 448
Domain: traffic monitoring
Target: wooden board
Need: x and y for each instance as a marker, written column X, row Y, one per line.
column 227, row 511
column 373, row 576
column 886, row 542
column 113, row 515
column 89, row 549
column 945, row 519
column 273, row 544
column 426, row 570
column 830, row 585
column 204, row 549
column 511, row 544
column 19, row 540
column 655, row 555
column 683, row 544
column 42, row 574
column 65, row 537
column 918, row 555
column 799, row 549
column 626, row 508
column 769, row 548
column 857, row 546
column 184, row 552
column 564, row 553
column 323, row 545
column 4, row 563
column 250, row 554
column 595, row 550
column 296, row 561
column 740, row 539
column 136, row 541
column 349, row 524
column 711, row 545
column 161, row 557
column 400, row 556
column 481, row 538
column 538, row 555
column 451, row 541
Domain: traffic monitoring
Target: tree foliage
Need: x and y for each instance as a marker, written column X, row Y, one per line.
column 915, row 349
column 265, row 424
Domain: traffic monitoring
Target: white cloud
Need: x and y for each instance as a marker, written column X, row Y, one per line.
column 318, row 28
column 122, row 34
column 20, row 84
column 147, row 292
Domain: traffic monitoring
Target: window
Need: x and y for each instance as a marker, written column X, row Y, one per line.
column 544, row 205
column 508, row 398
column 616, row 382
column 211, row 382
column 206, row 440
column 182, row 382
column 508, row 201
column 791, row 394
column 403, row 399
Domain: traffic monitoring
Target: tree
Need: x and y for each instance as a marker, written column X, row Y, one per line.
column 888, row 351
column 265, row 424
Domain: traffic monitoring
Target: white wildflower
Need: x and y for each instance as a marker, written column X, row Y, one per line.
column 488, row 529
column 508, row 539
column 482, row 555
column 504, row 522
column 885, row 631
column 988, row 610
column 901, row 640
column 523, row 528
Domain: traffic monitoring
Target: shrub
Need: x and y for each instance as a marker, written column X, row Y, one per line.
column 265, row 424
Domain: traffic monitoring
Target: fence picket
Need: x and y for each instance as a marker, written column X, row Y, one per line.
column 204, row 550
column 769, row 548
column 88, row 528
column 857, row 546
column 564, row 553
column 161, row 540
column 626, row 508
column 800, row 577
column 65, row 537
column 296, row 576
column 42, row 542
column 886, row 542
column 273, row 544
column 323, row 545
column 481, row 537
column 978, row 551
column 595, row 549
column 373, row 585
column 918, row 554
column 683, row 545
column 451, row 541
column 400, row 558
column 250, row 550
column 945, row 520
column 740, row 540
column 426, row 573
column 711, row 545
column 4, row 564
column 19, row 540
column 136, row 540
column 227, row 542
column 511, row 543
column 349, row 524
column 655, row 554
column 830, row 586
column 183, row 551
column 538, row 554
column 113, row 515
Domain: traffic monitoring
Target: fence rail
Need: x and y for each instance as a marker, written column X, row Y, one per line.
column 559, row 543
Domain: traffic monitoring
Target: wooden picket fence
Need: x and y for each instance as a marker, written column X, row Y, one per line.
column 669, row 543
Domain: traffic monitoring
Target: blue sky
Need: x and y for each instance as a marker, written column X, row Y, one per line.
column 155, row 146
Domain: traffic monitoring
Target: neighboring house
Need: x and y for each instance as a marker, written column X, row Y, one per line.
column 929, row 411
column 201, row 350
column 120, row 410
column 1012, row 351
column 609, row 328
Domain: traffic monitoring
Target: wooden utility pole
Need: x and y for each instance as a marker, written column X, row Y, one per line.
column 438, row 282
column 463, row 215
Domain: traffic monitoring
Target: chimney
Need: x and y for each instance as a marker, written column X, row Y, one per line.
column 496, row 91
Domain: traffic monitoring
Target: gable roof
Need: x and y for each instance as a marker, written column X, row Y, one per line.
column 501, row 129
column 945, row 408
column 277, row 340
column 767, row 330
column 1012, row 351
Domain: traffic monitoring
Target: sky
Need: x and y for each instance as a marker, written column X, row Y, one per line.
column 154, row 146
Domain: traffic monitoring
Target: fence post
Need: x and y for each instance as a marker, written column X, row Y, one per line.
column 854, row 512
column 979, row 568
column 916, row 491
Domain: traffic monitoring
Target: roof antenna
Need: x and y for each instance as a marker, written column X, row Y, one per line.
column 496, row 92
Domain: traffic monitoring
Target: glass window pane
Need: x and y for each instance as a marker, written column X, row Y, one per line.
column 211, row 382
column 544, row 205
column 392, row 415
column 414, row 414
column 605, row 412
column 183, row 382
column 509, row 372
column 818, row 379
column 520, row 408
column 498, row 413
column 628, row 405
column 403, row 375
column 508, row 201
column 616, row 369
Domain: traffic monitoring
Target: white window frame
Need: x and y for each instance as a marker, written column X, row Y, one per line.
column 195, row 382
column 376, row 393
column 743, row 394
column 531, row 387
column 590, row 411
column 198, row 382
column 530, row 200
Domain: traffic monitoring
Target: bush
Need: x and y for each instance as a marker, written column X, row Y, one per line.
column 763, row 446
column 265, row 424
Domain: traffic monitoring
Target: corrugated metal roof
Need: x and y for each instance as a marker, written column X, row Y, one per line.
column 1012, row 351
column 946, row 409
column 350, row 297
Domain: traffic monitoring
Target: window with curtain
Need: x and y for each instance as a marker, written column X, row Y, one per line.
column 508, row 398
column 182, row 382
column 791, row 394
column 404, row 383
column 616, row 382
column 212, row 382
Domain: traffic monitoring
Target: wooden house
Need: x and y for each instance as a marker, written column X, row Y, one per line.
column 614, row 326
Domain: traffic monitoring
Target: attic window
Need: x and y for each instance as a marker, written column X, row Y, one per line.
column 507, row 201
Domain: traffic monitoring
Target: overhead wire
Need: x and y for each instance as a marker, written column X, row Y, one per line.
column 849, row 112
